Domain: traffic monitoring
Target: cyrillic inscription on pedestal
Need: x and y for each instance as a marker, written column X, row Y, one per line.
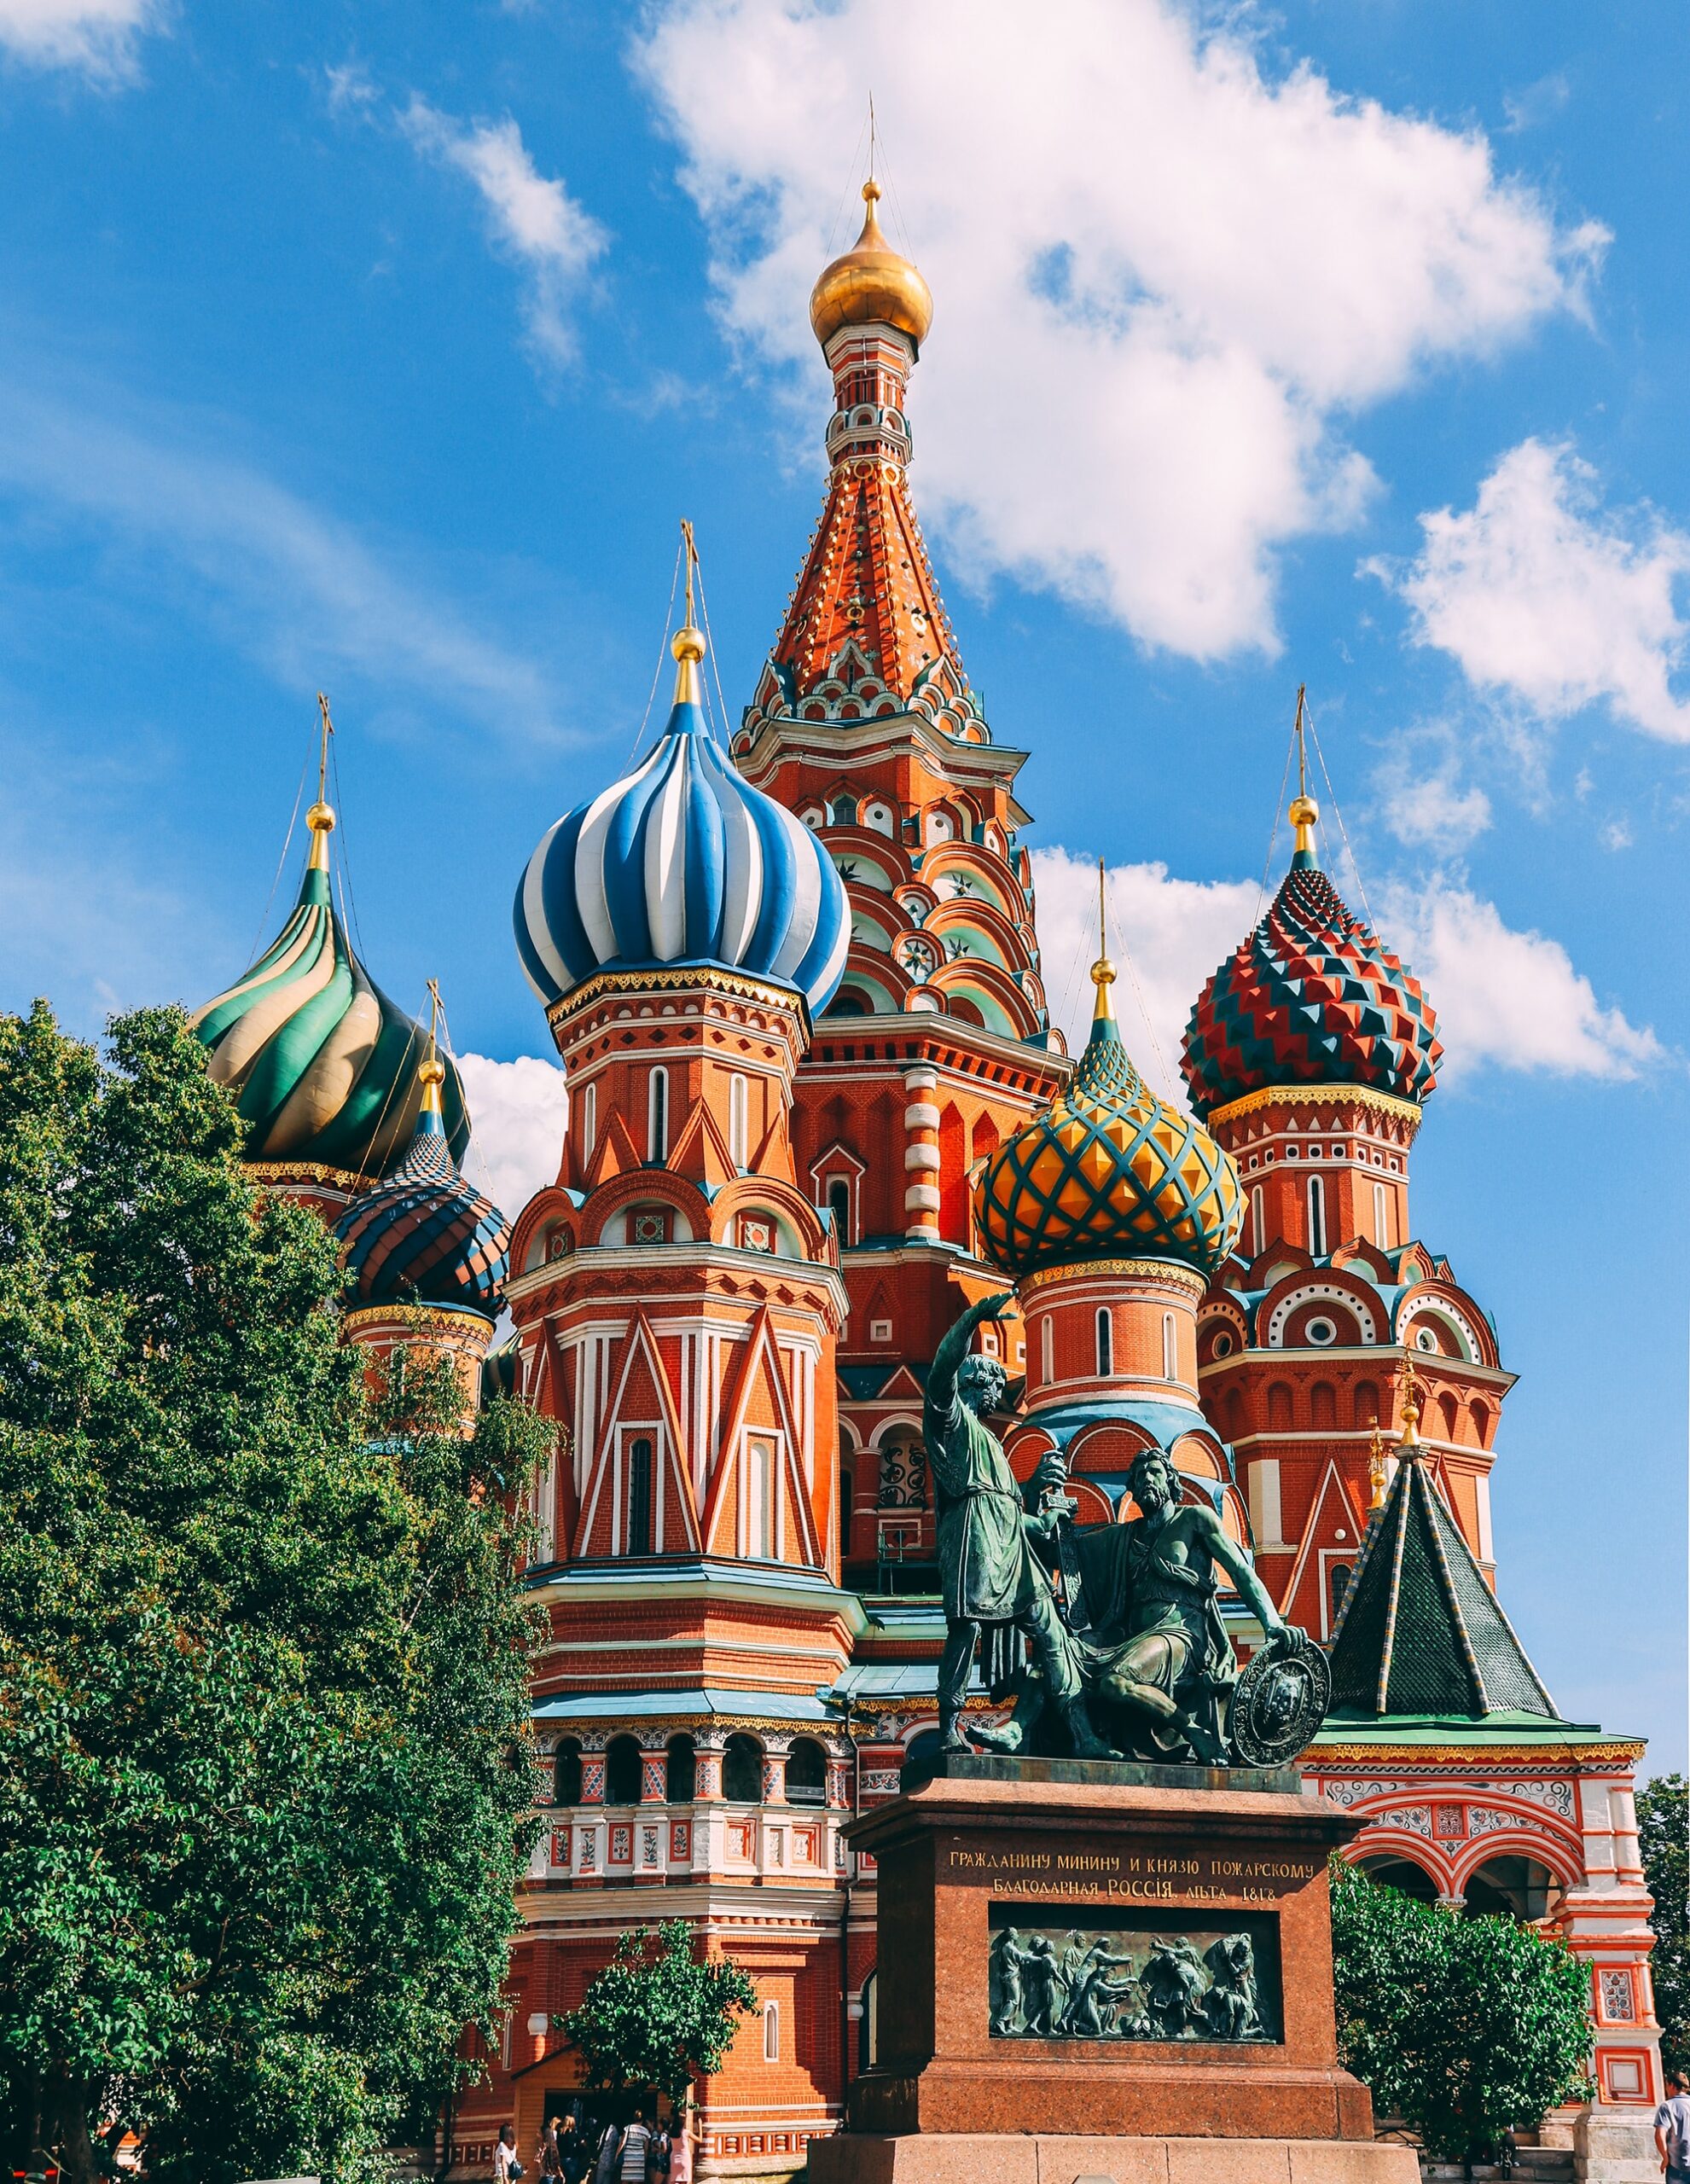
column 1133, row 1975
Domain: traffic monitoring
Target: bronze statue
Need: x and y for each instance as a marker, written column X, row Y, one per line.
column 1136, row 1652
column 989, row 1575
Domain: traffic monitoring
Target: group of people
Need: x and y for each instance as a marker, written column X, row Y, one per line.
column 576, row 2148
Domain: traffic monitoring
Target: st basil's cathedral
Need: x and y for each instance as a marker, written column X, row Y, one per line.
column 818, row 1106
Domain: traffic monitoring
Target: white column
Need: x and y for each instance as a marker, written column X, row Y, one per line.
column 1264, row 1501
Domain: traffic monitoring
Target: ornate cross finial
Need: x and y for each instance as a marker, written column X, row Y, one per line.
column 1305, row 811
column 1411, row 1406
column 434, row 1007
column 320, row 817
column 1376, row 1471
column 687, row 642
column 1102, row 971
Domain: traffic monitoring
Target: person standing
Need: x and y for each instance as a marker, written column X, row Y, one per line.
column 681, row 2151
column 506, row 2167
column 1672, row 2130
column 636, row 2145
column 609, row 2147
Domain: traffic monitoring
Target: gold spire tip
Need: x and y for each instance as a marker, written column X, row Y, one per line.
column 1102, row 971
column 687, row 642
column 320, row 816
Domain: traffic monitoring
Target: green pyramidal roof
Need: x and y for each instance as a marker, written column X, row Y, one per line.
column 1420, row 1632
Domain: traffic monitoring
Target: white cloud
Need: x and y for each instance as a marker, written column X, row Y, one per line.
column 534, row 218
column 1165, row 282
column 96, row 36
column 1533, row 105
column 1509, row 998
column 1548, row 599
column 1424, row 801
column 517, row 1110
column 1505, row 999
column 1175, row 931
column 305, row 588
column 1616, row 833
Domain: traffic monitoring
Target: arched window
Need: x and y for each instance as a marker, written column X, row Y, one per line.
column 1480, row 1414
column 1323, row 1403
column 1317, row 1217
column 844, row 811
column 1450, row 1411
column 806, row 1773
column 1338, row 1582
column 759, row 1498
column 1106, row 1344
column 681, row 1770
column 1171, row 1350
column 771, row 2032
column 622, row 1771
column 567, row 1772
column 640, row 1496
column 1279, row 1407
column 589, row 1121
column 742, row 1770
column 1381, row 1217
column 1367, row 1404
column 656, row 1115
column 839, row 1204
column 739, row 1124
column 1259, row 1223
column 1046, row 1348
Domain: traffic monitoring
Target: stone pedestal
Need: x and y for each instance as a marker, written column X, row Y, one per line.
column 1207, row 2015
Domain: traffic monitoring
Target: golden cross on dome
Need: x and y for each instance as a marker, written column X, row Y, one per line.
column 687, row 642
column 1102, row 971
column 433, row 1070
column 1411, row 1406
column 1305, row 811
column 320, row 817
column 1376, row 1473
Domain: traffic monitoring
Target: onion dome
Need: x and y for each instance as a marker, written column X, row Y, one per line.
column 1108, row 1170
column 424, row 1237
column 1311, row 996
column 682, row 862
column 324, row 1065
column 871, row 285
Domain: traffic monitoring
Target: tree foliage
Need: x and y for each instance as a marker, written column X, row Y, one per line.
column 264, row 1775
column 1662, row 1827
column 1462, row 2027
column 659, row 2014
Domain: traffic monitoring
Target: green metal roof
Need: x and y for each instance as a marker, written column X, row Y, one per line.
column 1421, row 1632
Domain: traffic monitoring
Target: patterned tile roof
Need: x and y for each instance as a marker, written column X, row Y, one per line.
column 425, row 1236
column 1311, row 996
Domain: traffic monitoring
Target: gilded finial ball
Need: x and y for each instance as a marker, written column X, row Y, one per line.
column 320, row 818
column 433, row 1071
column 871, row 191
column 1103, row 972
column 1305, row 811
column 687, row 643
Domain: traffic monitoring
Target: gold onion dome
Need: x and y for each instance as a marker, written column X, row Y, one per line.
column 1108, row 1170
column 871, row 285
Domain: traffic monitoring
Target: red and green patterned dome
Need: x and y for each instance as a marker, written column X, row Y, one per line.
column 1311, row 996
column 1108, row 1170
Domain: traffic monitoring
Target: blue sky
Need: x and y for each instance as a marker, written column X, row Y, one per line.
column 378, row 350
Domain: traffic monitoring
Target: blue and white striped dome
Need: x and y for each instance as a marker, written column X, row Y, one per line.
column 682, row 862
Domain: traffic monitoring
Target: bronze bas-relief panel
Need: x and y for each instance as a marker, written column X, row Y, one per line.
column 1084, row 1971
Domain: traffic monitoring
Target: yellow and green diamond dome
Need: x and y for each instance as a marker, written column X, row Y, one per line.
column 1108, row 1170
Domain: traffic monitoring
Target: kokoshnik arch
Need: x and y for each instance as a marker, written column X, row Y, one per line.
column 817, row 1106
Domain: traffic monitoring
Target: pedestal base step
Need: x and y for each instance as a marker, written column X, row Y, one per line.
column 1004, row 2158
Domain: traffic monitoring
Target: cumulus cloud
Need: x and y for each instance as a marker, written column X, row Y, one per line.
column 1424, row 799
column 98, row 37
column 1165, row 279
column 1549, row 600
column 533, row 219
column 518, row 1110
column 1505, row 999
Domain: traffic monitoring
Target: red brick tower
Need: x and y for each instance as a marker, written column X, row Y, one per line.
column 938, row 1044
column 1309, row 1055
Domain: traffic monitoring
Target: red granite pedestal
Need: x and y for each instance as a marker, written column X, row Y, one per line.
column 1057, row 1847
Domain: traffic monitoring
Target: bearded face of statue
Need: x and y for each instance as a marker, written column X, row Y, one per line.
column 1154, row 1486
column 981, row 1386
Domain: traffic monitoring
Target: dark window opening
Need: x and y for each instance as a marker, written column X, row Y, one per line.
column 622, row 1771
column 806, row 1774
column 567, row 1772
column 742, row 1771
column 679, row 1780
column 640, row 1497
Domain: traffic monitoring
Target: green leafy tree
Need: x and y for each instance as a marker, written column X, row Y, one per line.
column 265, row 1786
column 659, row 2015
column 1462, row 2027
column 1663, row 1827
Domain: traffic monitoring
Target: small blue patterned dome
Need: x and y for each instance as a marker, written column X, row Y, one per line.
column 682, row 862
column 425, row 1236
